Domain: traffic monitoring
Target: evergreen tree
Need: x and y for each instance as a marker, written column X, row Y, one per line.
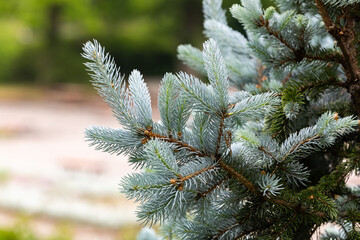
column 269, row 161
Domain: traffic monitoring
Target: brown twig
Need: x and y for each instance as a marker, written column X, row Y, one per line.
column 299, row 144
column 265, row 23
column 197, row 173
column 325, row 58
column 228, row 140
column 287, row 77
column 203, row 194
column 330, row 81
column 296, row 207
column 268, row 153
column 225, row 230
column 260, row 75
column 221, row 128
column 239, row 177
column 151, row 135
column 180, row 180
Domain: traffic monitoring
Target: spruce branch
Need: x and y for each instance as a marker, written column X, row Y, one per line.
column 212, row 169
column 200, row 96
column 297, row 207
column 262, row 22
column 295, row 147
column 251, row 105
column 341, row 4
column 174, row 108
column 212, row 10
column 226, row 38
column 191, row 57
column 299, row 53
column 217, row 73
column 118, row 141
column 326, row 82
column 286, row 226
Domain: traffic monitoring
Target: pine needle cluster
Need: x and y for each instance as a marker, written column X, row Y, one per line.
column 268, row 161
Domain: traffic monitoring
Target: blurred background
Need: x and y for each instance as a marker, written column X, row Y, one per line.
column 52, row 185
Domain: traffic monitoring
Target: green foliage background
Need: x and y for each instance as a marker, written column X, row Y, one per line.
column 40, row 40
column 22, row 231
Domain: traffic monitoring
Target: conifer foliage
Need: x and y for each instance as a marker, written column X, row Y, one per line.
column 269, row 161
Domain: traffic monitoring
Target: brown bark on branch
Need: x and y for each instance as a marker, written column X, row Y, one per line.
column 347, row 41
column 151, row 135
column 239, row 177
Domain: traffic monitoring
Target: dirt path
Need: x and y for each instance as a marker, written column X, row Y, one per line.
column 44, row 157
